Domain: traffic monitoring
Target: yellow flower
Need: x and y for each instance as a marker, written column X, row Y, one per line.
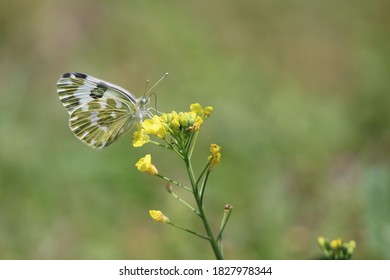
column 158, row 216
column 164, row 117
column 174, row 120
column 140, row 138
column 351, row 246
column 200, row 111
column 145, row 165
column 154, row 126
column 175, row 123
column 336, row 244
column 214, row 160
column 214, row 148
column 321, row 241
column 196, row 108
column 186, row 119
column 215, row 156
column 170, row 120
column 207, row 111
column 197, row 124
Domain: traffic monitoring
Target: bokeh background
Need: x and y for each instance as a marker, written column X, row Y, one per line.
column 301, row 97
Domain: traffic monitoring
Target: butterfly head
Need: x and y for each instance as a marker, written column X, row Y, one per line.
column 142, row 110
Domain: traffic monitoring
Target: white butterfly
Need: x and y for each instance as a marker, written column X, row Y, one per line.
column 99, row 111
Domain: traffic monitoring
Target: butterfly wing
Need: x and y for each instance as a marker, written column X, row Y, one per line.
column 99, row 111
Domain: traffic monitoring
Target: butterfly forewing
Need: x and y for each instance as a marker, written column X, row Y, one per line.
column 99, row 111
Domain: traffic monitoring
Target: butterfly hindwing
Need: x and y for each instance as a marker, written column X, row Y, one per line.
column 99, row 111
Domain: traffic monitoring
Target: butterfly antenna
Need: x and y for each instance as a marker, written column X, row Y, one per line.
column 146, row 87
column 162, row 78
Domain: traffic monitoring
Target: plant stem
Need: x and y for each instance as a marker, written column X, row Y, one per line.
column 203, row 216
column 185, row 203
column 190, row 231
column 173, row 182
column 192, row 143
column 203, row 187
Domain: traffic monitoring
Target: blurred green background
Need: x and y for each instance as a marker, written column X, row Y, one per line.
column 301, row 97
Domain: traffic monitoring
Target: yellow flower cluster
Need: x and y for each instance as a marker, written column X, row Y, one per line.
column 215, row 156
column 337, row 248
column 336, row 244
column 175, row 124
column 200, row 111
column 177, row 129
column 182, row 121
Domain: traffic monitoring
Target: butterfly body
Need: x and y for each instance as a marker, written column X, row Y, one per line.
column 99, row 112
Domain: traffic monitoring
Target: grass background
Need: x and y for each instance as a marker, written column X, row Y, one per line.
column 301, row 97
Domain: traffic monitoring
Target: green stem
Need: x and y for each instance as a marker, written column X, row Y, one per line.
column 172, row 147
column 173, row 182
column 192, row 144
column 159, row 144
column 203, row 187
column 212, row 240
column 190, row 231
column 225, row 219
column 201, row 174
column 185, row 203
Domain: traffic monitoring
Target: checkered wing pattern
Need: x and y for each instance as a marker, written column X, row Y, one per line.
column 99, row 111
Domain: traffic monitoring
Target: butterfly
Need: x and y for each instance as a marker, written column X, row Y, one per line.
column 99, row 111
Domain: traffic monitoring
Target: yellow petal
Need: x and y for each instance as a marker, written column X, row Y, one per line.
column 140, row 138
column 145, row 165
column 158, row 216
column 214, row 148
column 196, row 108
column 154, row 126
